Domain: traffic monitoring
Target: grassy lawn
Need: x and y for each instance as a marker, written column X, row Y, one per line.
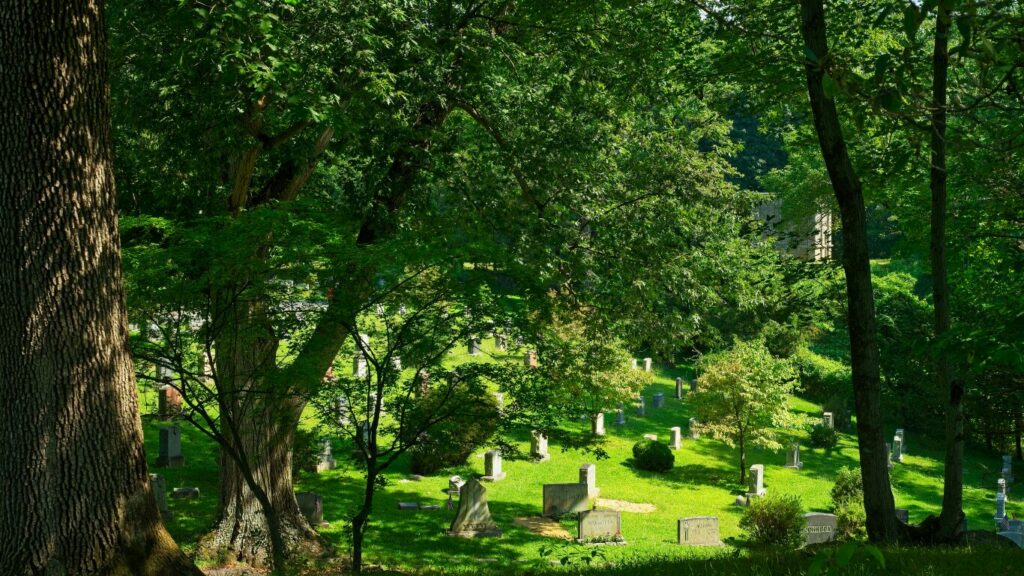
column 703, row 482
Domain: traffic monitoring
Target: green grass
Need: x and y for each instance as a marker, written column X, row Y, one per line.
column 704, row 481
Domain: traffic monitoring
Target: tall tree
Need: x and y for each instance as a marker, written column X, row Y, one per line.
column 77, row 494
column 864, row 357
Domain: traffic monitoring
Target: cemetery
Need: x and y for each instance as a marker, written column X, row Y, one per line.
column 511, row 287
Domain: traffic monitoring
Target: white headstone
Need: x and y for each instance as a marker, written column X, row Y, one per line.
column 694, row 434
column 756, row 481
column 793, row 457
column 539, row 446
column 679, row 388
column 648, row 364
column 827, row 420
column 634, row 363
column 597, row 424
column 359, row 369
column 676, row 437
column 897, row 449
column 820, row 528
column 492, row 466
column 588, row 476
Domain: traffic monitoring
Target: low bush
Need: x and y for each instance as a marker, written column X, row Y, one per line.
column 774, row 521
column 653, row 455
column 848, row 504
column 823, row 437
column 451, row 442
column 822, row 377
column 305, row 452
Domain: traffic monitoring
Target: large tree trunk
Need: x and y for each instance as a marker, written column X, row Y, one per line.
column 867, row 388
column 951, row 519
column 76, row 498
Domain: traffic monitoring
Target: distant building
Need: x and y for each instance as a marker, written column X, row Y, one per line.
column 808, row 239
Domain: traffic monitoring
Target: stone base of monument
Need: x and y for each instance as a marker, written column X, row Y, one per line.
column 494, row 477
column 537, row 458
column 797, row 466
column 484, row 532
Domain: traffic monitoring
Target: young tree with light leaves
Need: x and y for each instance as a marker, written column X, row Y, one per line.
column 743, row 398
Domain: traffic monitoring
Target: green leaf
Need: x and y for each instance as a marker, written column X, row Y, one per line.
column 911, row 21
column 845, row 553
column 875, row 553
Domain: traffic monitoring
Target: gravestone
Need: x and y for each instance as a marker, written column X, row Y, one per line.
column 539, row 446
column 562, row 499
column 599, row 526
column 530, row 359
column 693, row 386
column 648, row 364
column 492, row 466
column 620, row 416
column 473, row 347
column 1015, row 537
column 359, row 369
column 169, row 455
column 793, row 457
column 903, row 515
column 694, row 434
column 903, row 439
column 676, row 437
column 407, row 506
column 888, row 455
column 1000, row 508
column 500, row 341
column 641, row 407
column 756, row 481
column 169, row 402
column 588, row 476
column 659, row 400
column 699, row 531
column 455, row 484
column 186, row 493
column 1001, row 487
column 326, row 459
column 311, row 505
column 597, row 424
column 1007, row 471
column 820, row 528
column 158, row 485
column 499, row 400
column 897, row 449
column 827, row 420
column 679, row 388
column 473, row 519
column 634, row 363
column 651, row 437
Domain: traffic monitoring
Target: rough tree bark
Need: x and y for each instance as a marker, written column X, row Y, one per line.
column 951, row 518
column 864, row 358
column 77, row 496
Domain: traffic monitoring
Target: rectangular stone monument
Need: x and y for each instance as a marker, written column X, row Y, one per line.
column 648, row 364
column 897, row 449
column 600, row 526
column 694, row 433
column 1001, row 487
column 311, row 505
column 641, row 407
column 693, row 386
column 1000, row 508
column 699, row 531
column 828, row 420
column 679, row 388
column 186, row 493
column 158, row 485
column 562, row 499
column 820, row 528
column 755, row 487
column 539, row 446
column 793, row 457
column 659, row 400
column 903, row 439
column 597, row 424
column 473, row 346
column 675, row 437
column 620, row 416
column 473, row 519
column 492, row 466
column 326, row 459
column 169, row 455
column 903, row 515
column 588, row 476
column 359, row 369
column 634, row 363
column 651, row 437
column 455, row 484
column 168, row 403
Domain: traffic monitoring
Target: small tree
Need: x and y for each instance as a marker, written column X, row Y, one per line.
column 743, row 396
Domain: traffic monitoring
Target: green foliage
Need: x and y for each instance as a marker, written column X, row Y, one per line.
column 783, row 340
column 850, row 558
column 774, row 521
column 305, row 451
column 822, row 436
column 450, row 442
column 653, row 456
column 822, row 377
column 848, row 504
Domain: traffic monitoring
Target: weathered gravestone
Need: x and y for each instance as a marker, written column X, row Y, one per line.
column 659, row 400
column 473, row 347
column 675, row 437
column 169, row 402
column 359, row 369
column 539, row 446
column 648, row 364
column 755, row 487
column 500, row 341
column 597, row 424
column 186, row 493
column 499, row 401
column 633, row 360
column 492, row 466
column 1000, row 508
column 169, row 455
column 820, row 528
column 473, row 519
column 326, row 459
column 694, row 433
column 1001, row 487
column 588, row 476
column 679, row 388
column 693, row 386
column 311, row 505
column 641, row 407
column 158, row 485
column 651, row 437
column 793, row 457
column 699, row 531
column 599, row 526
column 562, row 499
column 903, row 439
column 828, row 420
column 903, row 515
column 620, row 416
column 455, row 484
column 897, row 449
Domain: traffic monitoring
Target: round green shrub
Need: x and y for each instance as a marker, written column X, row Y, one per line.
column 450, row 442
column 652, row 455
column 848, row 504
column 822, row 377
column 775, row 521
column 823, row 437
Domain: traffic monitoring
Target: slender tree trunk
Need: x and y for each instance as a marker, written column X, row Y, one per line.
column 878, row 501
column 743, row 459
column 360, row 520
column 952, row 515
column 76, row 498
